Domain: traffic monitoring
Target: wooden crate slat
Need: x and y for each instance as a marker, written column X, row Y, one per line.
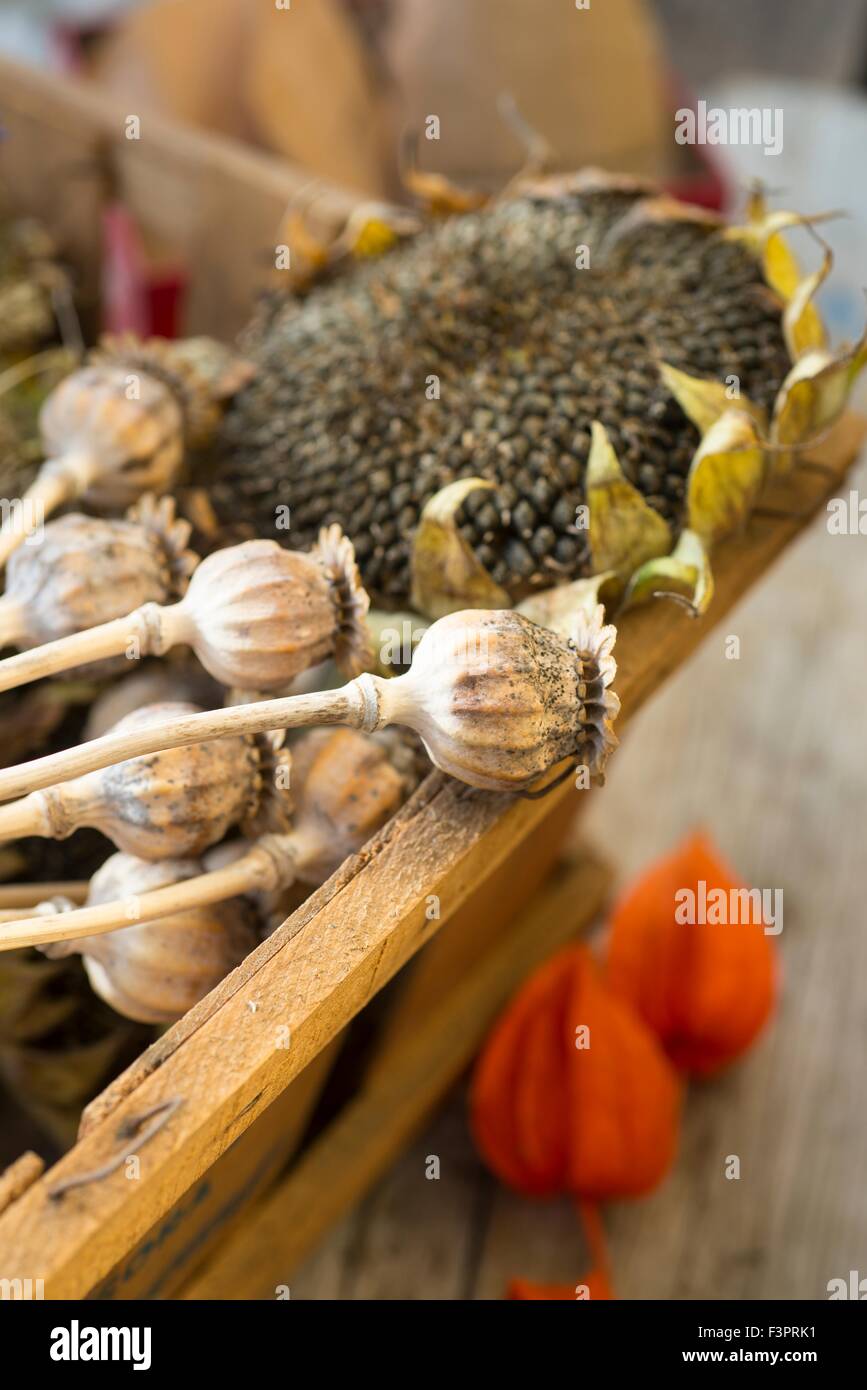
column 169, row 1252
column 206, row 1214
column 472, row 931
column 484, row 913
column 329, row 958
column 15, row 1180
column 192, row 194
column 412, row 1073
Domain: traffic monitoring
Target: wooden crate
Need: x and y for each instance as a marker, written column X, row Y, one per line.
column 210, row 207
column 215, row 1108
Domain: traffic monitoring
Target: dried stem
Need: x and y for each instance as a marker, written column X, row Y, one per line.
column 356, row 705
column 58, row 480
column 254, row 872
column 11, row 623
column 20, row 372
column 149, row 630
column 26, row 817
column 18, row 895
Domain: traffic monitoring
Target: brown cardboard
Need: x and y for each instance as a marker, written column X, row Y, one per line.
column 296, row 81
column 301, row 82
column 589, row 80
column 312, row 95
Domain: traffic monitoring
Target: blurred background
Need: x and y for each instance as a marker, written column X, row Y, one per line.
column 334, row 90
column 768, row 752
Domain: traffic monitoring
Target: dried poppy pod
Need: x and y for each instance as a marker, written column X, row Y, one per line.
column 346, row 789
column 155, row 972
column 109, row 438
column 496, row 700
column 171, row 804
column 154, row 684
column 88, row 570
column 256, row 616
column 346, row 785
column 119, row 426
column 30, row 279
column 201, row 374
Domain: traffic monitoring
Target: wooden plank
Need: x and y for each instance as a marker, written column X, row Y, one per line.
column 212, row 1208
column 15, row 1180
column 183, row 1237
column 408, row 1219
column 192, row 194
column 472, row 930
column 227, row 1061
column 409, row 1080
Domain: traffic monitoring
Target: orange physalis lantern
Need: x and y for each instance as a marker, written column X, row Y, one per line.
column 689, row 951
column 593, row 1286
column 572, row 1091
column 524, row 1290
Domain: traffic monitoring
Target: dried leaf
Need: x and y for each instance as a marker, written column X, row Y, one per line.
column 590, row 179
column 725, row 476
column 436, row 194
column 440, row 196
column 560, row 607
column 685, row 573
column 446, row 575
column 802, row 327
column 704, row 400
column 661, row 208
column 624, row 530
column 310, row 255
column 812, row 397
column 763, row 234
column 373, row 229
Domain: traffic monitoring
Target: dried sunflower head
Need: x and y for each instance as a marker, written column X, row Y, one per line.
column 504, row 345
